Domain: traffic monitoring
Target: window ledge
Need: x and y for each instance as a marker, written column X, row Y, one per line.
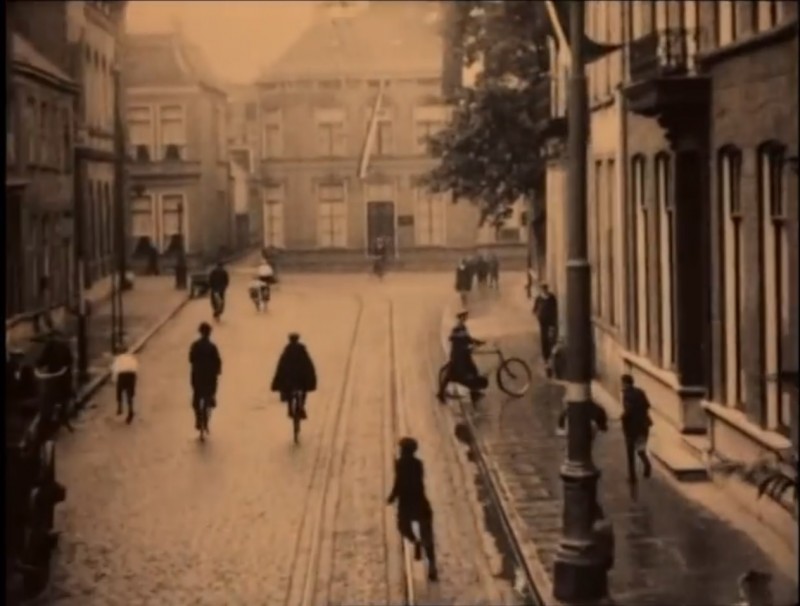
column 780, row 33
column 771, row 440
column 666, row 377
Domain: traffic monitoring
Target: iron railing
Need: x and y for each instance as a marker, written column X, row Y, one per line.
column 662, row 53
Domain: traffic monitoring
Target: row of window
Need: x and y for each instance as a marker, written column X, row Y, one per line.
column 331, row 131
column 47, row 137
column 98, row 89
column 159, row 218
column 349, row 83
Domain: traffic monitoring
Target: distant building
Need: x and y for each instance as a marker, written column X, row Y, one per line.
column 41, row 99
column 178, row 153
column 315, row 106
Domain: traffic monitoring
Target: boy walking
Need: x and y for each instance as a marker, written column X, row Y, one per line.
column 635, row 427
column 413, row 505
column 124, row 371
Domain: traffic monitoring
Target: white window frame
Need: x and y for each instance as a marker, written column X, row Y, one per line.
column 430, row 204
column 733, row 245
column 149, row 123
column 274, row 222
column 179, row 137
column 272, row 134
column 330, row 242
column 642, row 291
column 666, row 226
column 775, row 238
column 333, row 124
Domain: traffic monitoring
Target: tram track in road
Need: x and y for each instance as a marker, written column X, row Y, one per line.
column 302, row 582
column 525, row 582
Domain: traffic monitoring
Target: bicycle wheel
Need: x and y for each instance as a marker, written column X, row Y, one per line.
column 514, row 377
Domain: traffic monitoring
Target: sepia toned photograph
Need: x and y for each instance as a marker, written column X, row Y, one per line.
column 402, row 303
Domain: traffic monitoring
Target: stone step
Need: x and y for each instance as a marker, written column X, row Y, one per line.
column 698, row 445
column 679, row 459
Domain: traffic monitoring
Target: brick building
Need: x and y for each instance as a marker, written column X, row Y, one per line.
column 41, row 98
column 178, row 153
column 315, row 104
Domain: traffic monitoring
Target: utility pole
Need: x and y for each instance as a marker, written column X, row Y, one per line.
column 119, row 283
column 79, row 195
column 580, row 571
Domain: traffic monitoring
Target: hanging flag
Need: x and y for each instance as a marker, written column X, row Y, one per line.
column 558, row 15
column 372, row 132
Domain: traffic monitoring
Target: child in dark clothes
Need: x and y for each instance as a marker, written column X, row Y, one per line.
column 412, row 504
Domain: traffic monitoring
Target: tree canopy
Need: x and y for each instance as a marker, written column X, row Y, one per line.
column 489, row 151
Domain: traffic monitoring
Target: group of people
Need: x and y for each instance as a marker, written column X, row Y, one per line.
column 636, row 420
column 483, row 268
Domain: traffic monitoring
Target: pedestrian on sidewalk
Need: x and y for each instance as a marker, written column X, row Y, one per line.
column 206, row 368
column 413, row 505
column 463, row 280
column 545, row 308
column 218, row 281
column 635, row 427
column 124, row 371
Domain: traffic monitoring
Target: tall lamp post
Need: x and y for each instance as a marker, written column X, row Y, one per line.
column 79, row 195
column 180, row 267
column 119, row 280
column 580, row 571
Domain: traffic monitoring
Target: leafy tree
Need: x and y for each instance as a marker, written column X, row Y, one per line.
column 489, row 152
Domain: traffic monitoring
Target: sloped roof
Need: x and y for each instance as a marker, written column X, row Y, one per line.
column 389, row 37
column 165, row 59
column 25, row 53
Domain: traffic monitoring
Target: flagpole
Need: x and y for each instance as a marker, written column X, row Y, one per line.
column 580, row 572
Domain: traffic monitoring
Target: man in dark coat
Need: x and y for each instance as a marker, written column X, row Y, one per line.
column 206, row 368
column 481, row 270
column 218, row 283
column 463, row 280
column 413, row 504
column 295, row 373
column 635, row 426
column 494, row 271
column 461, row 365
column 545, row 308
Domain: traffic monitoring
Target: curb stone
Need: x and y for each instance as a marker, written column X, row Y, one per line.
column 533, row 562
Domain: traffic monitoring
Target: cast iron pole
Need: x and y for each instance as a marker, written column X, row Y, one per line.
column 79, row 215
column 580, row 574
column 120, row 206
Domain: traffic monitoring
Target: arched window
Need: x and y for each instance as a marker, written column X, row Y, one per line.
column 729, row 162
column 775, row 287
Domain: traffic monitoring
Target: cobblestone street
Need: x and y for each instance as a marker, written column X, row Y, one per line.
column 670, row 550
column 153, row 516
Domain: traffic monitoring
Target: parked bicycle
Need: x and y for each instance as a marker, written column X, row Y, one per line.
column 512, row 375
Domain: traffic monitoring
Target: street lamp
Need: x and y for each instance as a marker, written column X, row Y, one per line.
column 119, row 276
column 580, row 572
column 180, row 267
column 79, row 195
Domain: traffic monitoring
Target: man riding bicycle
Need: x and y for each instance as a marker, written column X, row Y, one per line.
column 206, row 369
column 295, row 373
column 461, row 366
column 218, row 283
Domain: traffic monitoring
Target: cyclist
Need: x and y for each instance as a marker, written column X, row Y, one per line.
column 206, row 369
column 462, row 368
column 265, row 273
column 381, row 254
column 295, row 373
column 218, row 283
column 259, row 293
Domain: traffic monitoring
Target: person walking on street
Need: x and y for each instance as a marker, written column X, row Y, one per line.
column 494, row 271
column 635, row 427
column 481, row 270
column 461, row 365
column 413, row 505
column 124, row 370
column 206, row 366
column 218, row 283
column 545, row 308
column 295, row 373
column 463, row 280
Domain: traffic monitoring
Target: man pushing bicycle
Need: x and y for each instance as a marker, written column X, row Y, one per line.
column 461, row 367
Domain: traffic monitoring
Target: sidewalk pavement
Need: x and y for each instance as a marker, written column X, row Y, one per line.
column 670, row 548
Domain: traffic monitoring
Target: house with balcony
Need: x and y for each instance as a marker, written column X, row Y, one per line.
column 177, row 151
column 315, row 106
column 41, row 101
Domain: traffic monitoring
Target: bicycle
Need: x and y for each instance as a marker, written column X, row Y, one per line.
column 296, row 402
column 508, row 370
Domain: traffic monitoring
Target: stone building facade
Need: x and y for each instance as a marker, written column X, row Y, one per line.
column 178, row 152
column 315, row 105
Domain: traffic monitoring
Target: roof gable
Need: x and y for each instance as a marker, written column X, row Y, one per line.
column 24, row 53
column 390, row 37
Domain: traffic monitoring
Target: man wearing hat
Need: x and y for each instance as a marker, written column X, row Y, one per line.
column 461, row 366
column 413, row 504
column 545, row 308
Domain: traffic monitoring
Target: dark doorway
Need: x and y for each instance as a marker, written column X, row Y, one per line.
column 380, row 224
